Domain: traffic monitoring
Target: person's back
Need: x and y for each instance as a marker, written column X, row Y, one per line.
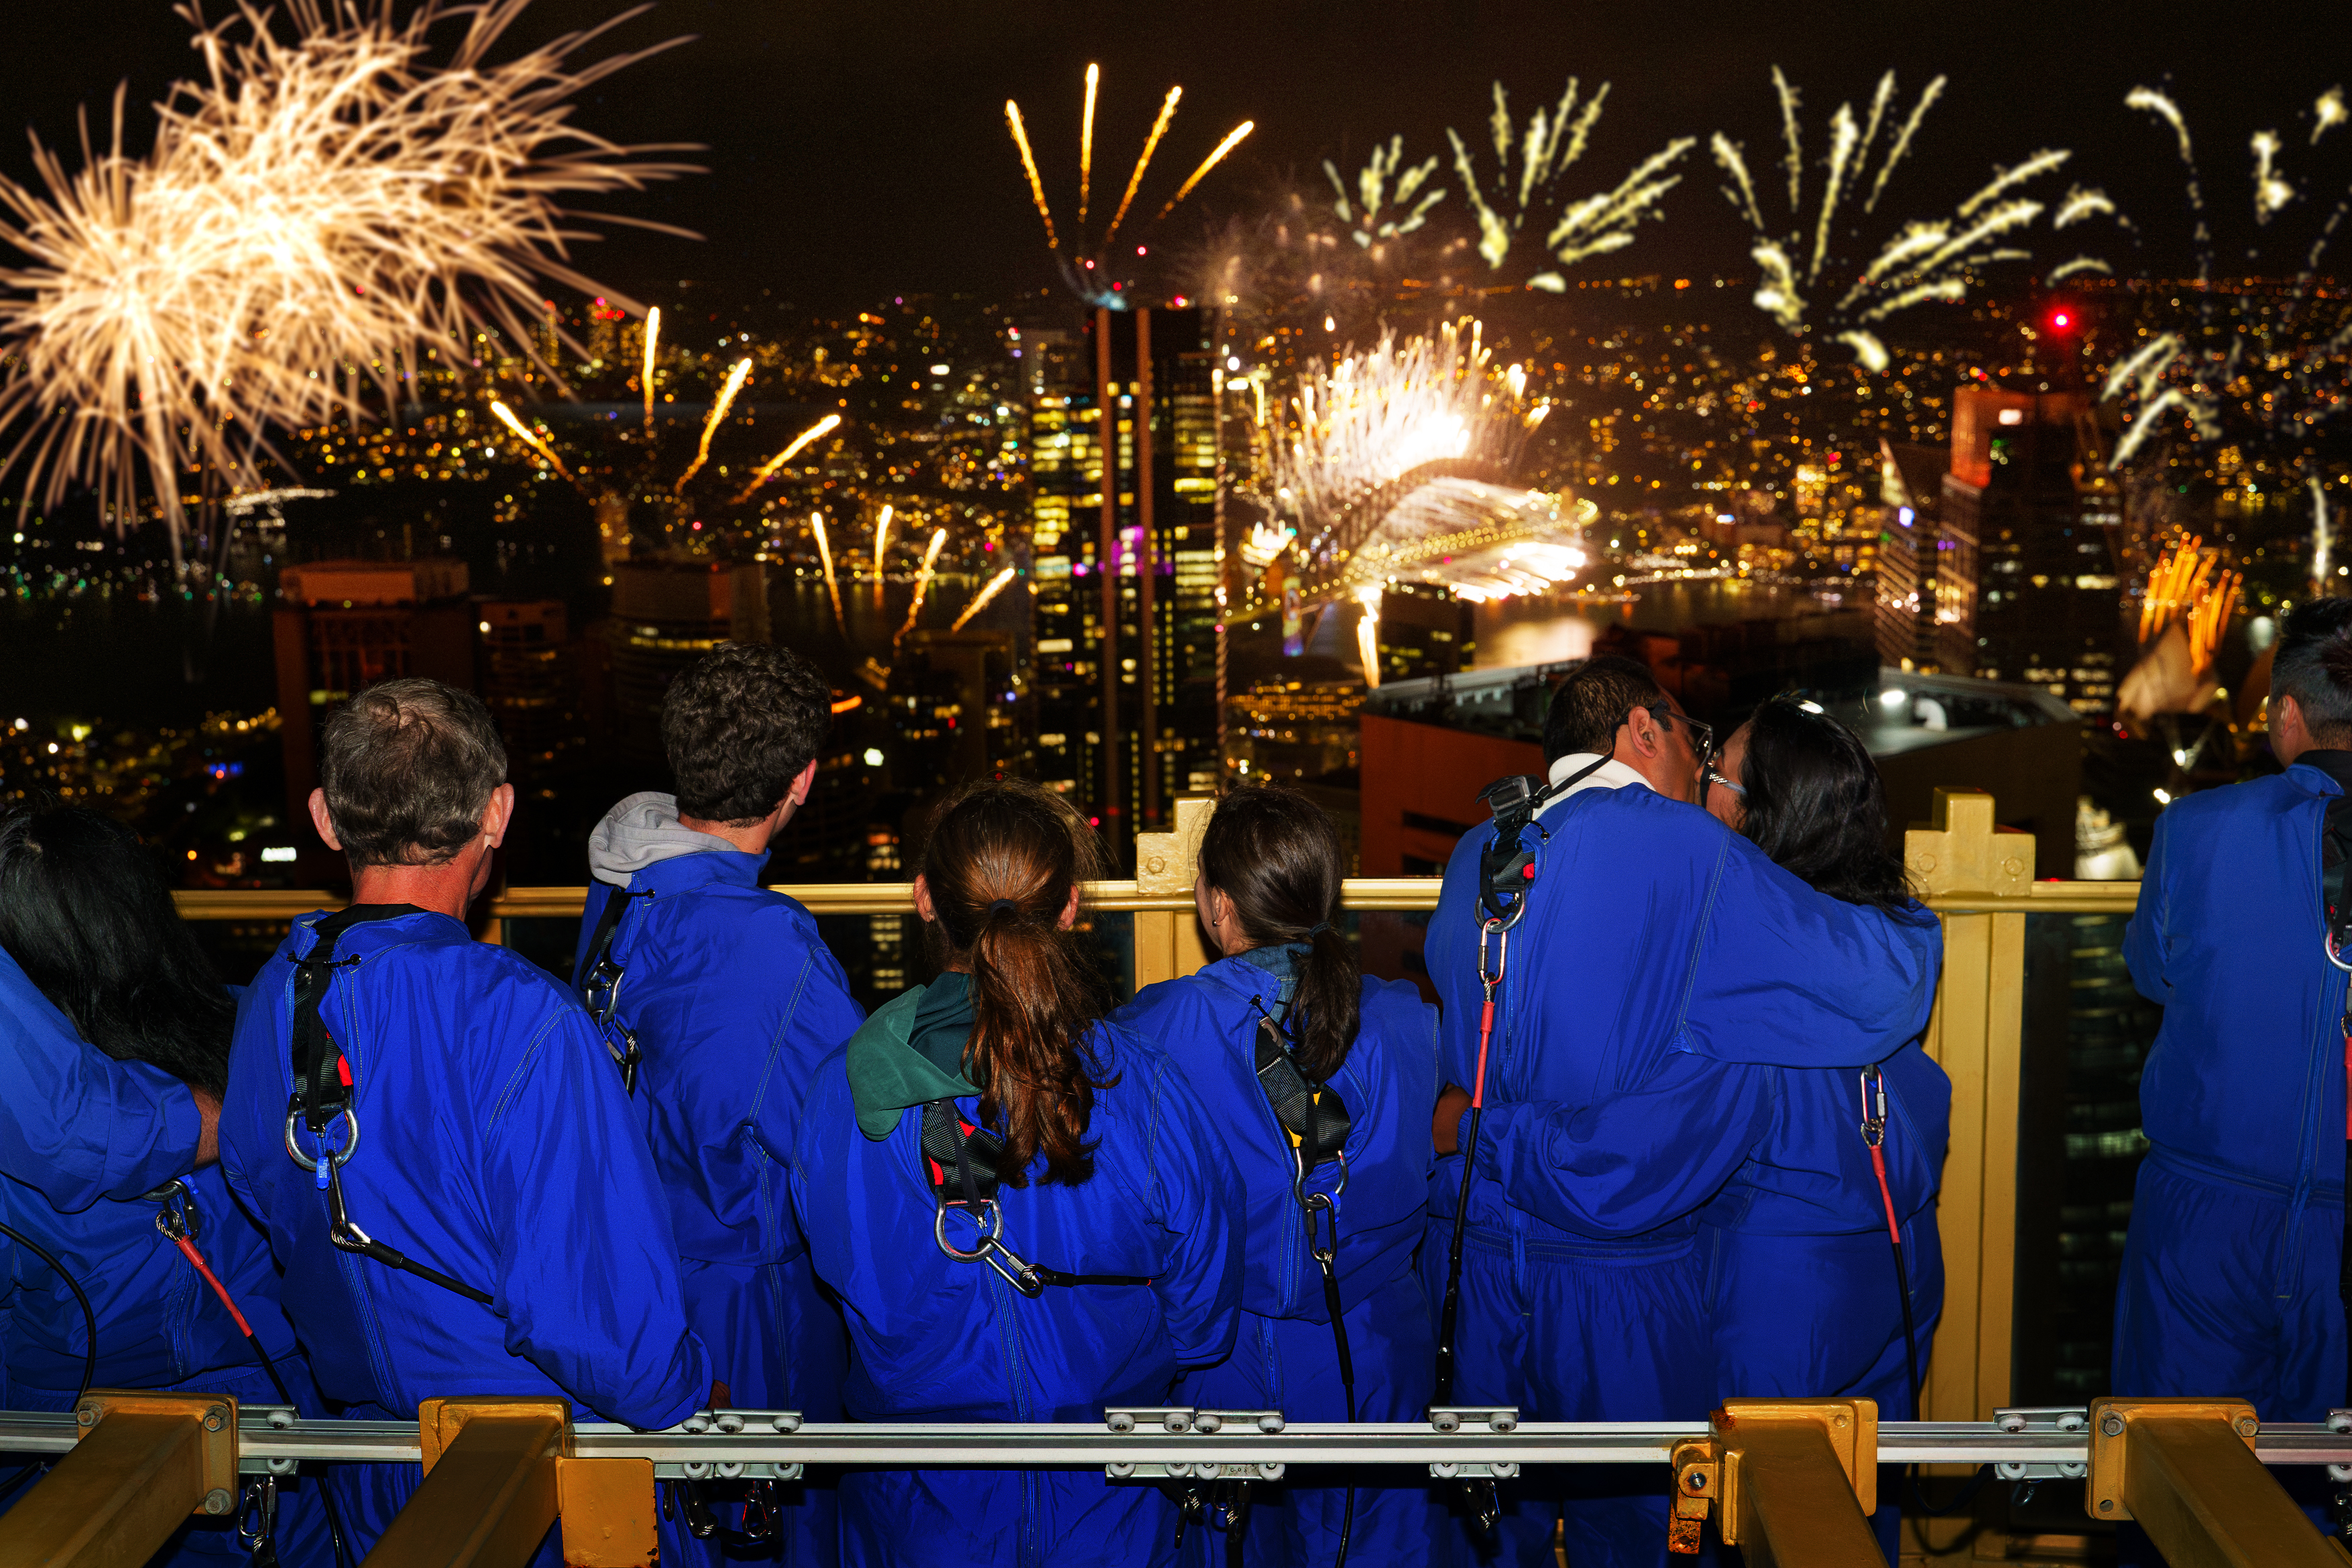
column 1352, row 1048
column 1808, row 1295
column 1659, row 968
column 730, row 1000
column 2228, row 1286
column 482, row 1137
column 87, row 917
column 998, row 1103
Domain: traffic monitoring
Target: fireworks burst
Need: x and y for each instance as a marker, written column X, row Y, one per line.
column 1379, row 209
column 1086, row 266
column 1401, row 445
column 922, row 586
column 735, row 380
column 653, row 338
column 980, row 601
column 761, row 475
column 533, row 439
column 832, row 584
column 326, row 196
column 1925, row 260
column 2246, row 369
column 1549, row 145
column 881, row 539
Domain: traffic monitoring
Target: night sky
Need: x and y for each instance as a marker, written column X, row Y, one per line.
column 858, row 149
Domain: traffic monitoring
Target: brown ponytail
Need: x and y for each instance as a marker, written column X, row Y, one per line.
column 1000, row 865
column 1277, row 856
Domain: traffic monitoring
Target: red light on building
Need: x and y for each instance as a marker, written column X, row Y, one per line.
column 2061, row 320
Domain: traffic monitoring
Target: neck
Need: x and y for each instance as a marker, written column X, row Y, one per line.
column 751, row 838
column 443, row 889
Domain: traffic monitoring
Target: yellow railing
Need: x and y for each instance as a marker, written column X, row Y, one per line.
column 1978, row 877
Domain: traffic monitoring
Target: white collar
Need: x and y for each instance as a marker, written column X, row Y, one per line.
column 1611, row 775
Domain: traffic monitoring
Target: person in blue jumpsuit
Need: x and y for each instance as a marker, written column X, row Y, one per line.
column 2229, row 1286
column 84, row 913
column 999, row 1102
column 1802, row 1284
column 1663, row 964
column 488, row 1138
column 1269, row 892
column 730, row 999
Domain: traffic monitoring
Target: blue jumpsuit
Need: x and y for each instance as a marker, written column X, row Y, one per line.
column 2229, row 1281
column 160, row 1327
column 734, row 1000
column 938, row 1340
column 1801, row 1281
column 498, row 1147
column 74, row 1123
column 1286, row 1358
column 1664, row 964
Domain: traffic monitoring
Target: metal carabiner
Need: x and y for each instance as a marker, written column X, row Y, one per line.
column 177, row 1216
column 1873, row 1123
column 2333, row 943
column 326, row 1152
column 260, row 1505
column 1497, row 930
column 989, row 1222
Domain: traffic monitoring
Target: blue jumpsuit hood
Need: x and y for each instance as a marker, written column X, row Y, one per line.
column 942, row 1340
column 497, row 1146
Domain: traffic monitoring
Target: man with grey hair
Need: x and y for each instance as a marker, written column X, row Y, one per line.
column 431, row 1129
column 2231, row 1283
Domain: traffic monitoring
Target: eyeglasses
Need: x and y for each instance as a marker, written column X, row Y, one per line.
column 1710, row 776
column 1702, row 733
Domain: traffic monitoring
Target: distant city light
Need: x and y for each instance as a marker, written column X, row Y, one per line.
column 278, row 855
column 2163, row 797
column 940, row 369
column 873, row 756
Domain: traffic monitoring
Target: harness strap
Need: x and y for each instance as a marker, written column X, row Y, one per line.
column 1312, row 1113
column 599, row 983
column 962, row 1163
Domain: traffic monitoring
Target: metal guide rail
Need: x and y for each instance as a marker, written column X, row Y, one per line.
column 272, row 1438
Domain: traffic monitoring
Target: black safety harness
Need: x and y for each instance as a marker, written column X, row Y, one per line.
column 962, row 1165
column 599, row 982
column 325, row 1091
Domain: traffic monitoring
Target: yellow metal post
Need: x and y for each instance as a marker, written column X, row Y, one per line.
column 144, row 1463
column 489, row 1492
column 1790, row 1482
column 2185, row 1469
column 1976, row 1032
column 607, row 1506
column 1168, row 941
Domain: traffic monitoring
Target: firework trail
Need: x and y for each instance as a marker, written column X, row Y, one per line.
column 881, row 539
column 1551, row 143
column 2239, row 370
column 832, row 584
column 325, row 196
column 653, row 337
column 995, row 586
column 922, row 586
column 1367, row 209
column 1087, row 266
column 761, row 475
column 735, row 380
column 1925, row 260
column 532, row 439
column 2320, row 534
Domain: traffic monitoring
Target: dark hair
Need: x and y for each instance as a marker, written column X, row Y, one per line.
column 1277, row 857
column 1596, row 698
column 408, row 767
column 740, row 725
column 1000, row 863
column 2314, row 666
column 85, row 913
column 1817, row 807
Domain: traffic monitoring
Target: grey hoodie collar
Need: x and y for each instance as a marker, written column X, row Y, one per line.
column 640, row 831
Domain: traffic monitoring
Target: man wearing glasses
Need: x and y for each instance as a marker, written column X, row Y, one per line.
column 1663, row 968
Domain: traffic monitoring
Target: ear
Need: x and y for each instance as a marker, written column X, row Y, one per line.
column 923, row 904
column 802, row 784
column 498, row 815
column 323, row 822
column 1641, row 730
column 1069, row 911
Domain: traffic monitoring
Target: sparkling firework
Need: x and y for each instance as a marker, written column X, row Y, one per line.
column 326, row 196
column 1400, row 446
column 531, row 438
column 1377, row 209
column 979, row 601
column 832, row 584
column 1924, row 261
column 2242, row 368
column 653, row 338
column 1085, row 265
column 1549, row 146
column 761, row 475
column 922, row 586
column 881, row 539
column 735, row 380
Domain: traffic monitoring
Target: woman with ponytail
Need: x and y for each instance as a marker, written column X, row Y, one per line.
column 1025, row 1212
column 1321, row 1080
